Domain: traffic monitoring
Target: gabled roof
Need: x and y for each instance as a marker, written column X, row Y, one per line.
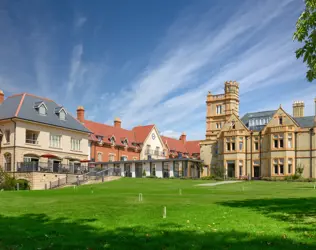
column 261, row 114
column 141, row 132
column 107, row 131
column 306, row 121
column 193, row 147
column 174, row 144
column 23, row 106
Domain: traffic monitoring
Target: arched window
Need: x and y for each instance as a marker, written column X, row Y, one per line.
column 7, row 162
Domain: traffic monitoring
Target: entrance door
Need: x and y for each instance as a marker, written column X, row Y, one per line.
column 256, row 172
column 231, row 170
column 56, row 165
column 127, row 170
column 165, row 169
column 138, row 170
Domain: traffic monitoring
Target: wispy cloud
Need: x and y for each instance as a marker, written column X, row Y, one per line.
column 76, row 70
column 252, row 46
column 80, row 21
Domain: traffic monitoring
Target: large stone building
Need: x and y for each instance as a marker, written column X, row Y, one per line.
column 260, row 144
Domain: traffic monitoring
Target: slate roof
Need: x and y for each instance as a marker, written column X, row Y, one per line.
column 259, row 114
column 23, row 106
column 305, row 122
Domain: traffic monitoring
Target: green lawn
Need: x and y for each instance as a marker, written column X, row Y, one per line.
column 249, row 215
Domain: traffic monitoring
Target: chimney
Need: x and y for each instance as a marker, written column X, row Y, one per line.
column 298, row 109
column 183, row 138
column 80, row 114
column 1, row 97
column 117, row 122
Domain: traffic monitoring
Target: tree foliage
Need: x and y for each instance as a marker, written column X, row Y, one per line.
column 305, row 33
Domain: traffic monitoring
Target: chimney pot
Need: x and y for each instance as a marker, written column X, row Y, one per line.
column 80, row 114
column 1, row 97
column 183, row 138
column 117, row 122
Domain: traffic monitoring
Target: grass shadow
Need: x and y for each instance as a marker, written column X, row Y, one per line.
column 38, row 231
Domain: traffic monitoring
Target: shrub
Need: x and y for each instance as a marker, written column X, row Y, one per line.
column 23, row 184
column 206, row 178
column 144, row 173
column 152, row 176
column 6, row 181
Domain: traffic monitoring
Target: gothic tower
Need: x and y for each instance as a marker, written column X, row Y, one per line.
column 220, row 108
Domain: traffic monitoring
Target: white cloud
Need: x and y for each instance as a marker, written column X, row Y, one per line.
column 253, row 46
column 171, row 133
column 80, row 21
column 76, row 70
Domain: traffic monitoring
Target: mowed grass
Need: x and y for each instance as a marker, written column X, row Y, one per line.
column 248, row 215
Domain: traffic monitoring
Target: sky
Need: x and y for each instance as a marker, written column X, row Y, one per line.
column 153, row 62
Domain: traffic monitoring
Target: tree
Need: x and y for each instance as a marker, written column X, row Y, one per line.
column 305, row 33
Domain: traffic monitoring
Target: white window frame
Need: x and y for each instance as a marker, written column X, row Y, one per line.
column 7, row 135
column 55, row 141
column 219, row 109
column 75, row 144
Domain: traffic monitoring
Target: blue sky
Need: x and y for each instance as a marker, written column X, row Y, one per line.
column 153, row 61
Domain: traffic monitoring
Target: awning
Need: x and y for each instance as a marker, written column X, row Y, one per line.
column 71, row 158
column 85, row 161
column 50, row 156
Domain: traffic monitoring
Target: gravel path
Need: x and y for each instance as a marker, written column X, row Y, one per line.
column 217, row 183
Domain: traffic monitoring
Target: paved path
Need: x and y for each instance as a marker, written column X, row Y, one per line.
column 217, row 183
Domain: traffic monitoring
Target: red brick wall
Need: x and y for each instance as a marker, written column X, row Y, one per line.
column 117, row 151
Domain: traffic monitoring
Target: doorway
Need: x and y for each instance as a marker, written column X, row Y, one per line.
column 138, row 170
column 256, row 172
column 231, row 169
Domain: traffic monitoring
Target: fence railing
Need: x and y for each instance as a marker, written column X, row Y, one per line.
column 154, row 152
column 50, row 168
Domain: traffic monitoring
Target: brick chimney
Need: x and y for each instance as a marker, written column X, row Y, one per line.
column 80, row 114
column 117, row 122
column 1, row 97
column 298, row 109
column 183, row 138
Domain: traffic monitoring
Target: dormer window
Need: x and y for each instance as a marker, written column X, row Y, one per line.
column 112, row 140
column 280, row 120
column 41, row 108
column 125, row 142
column 61, row 112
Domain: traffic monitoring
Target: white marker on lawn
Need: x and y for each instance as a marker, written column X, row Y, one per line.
column 164, row 215
column 140, row 197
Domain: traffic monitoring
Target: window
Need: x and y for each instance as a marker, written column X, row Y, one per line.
column 240, row 143
column 280, row 120
column 55, row 141
column 99, row 156
column 240, row 168
column 31, row 137
column 278, row 141
column 42, row 110
column 290, row 140
column 290, row 165
column 218, row 125
column 124, row 158
column 134, row 158
column 157, row 151
column 112, row 140
column 7, row 134
column 230, row 144
column 218, row 109
column 111, row 157
column 278, row 165
column 256, row 143
column 233, row 125
column 62, row 115
column 75, row 144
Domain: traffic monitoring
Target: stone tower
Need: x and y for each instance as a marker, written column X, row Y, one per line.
column 220, row 108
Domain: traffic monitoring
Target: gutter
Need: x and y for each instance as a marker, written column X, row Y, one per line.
column 295, row 150
column 14, row 145
column 311, row 152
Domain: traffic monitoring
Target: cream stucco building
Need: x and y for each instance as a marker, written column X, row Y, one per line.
column 260, row 144
column 40, row 136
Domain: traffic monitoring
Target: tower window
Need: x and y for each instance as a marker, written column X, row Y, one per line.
column 280, row 120
column 219, row 109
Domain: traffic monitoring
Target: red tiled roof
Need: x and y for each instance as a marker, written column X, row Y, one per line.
column 141, row 132
column 193, row 147
column 174, row 144
column 108, row 131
